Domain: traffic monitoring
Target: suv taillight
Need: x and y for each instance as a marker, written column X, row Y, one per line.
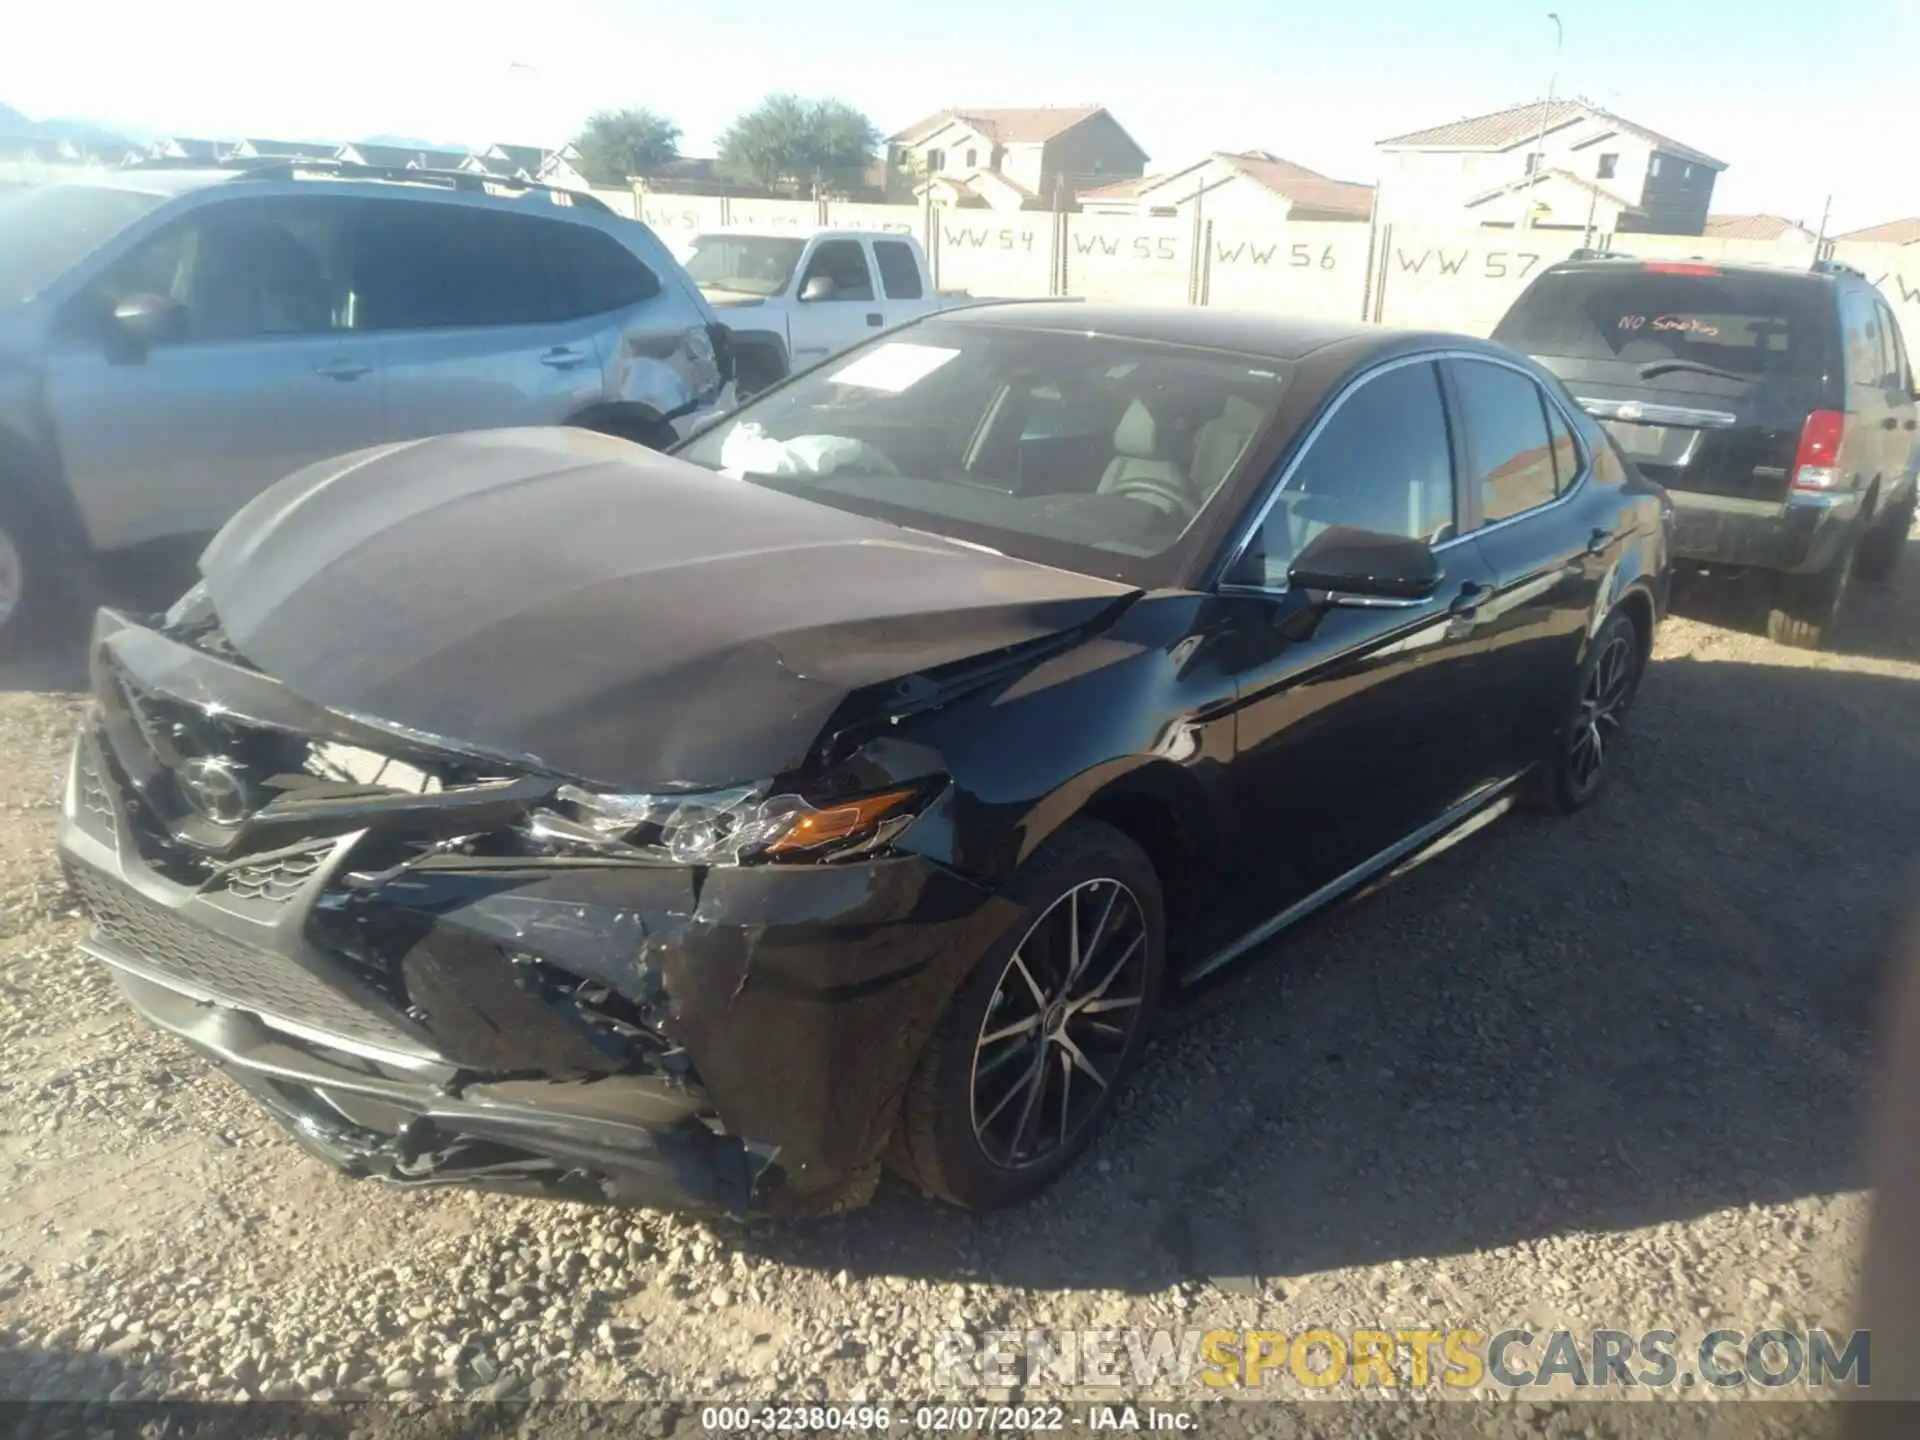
column 1817, row 464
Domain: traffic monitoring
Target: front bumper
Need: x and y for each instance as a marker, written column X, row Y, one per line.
column 1798, row 535
column 773, row 1013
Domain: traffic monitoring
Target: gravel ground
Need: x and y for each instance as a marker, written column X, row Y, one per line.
column 1597, row 1072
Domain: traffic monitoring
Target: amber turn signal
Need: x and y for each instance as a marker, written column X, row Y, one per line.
column 840, row 822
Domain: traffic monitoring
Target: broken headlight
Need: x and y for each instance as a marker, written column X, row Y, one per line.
column 723, row 827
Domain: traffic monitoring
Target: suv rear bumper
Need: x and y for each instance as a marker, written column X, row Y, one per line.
column 1799, row 535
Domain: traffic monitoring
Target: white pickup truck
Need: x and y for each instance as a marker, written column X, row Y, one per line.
column 791, row 297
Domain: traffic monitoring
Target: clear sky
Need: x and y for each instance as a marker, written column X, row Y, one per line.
column 1801, row 100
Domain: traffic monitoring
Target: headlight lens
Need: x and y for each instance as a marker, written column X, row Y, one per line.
column 723, row 827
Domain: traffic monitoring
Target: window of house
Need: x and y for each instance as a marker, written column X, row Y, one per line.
column 1686, row 173
column 1609, row 166
column 973, row 159
column 1505, row 420
column 1653, row 166
column 936, row 159
column 1533, row 162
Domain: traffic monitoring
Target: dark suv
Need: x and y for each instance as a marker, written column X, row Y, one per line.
column 1776, row 406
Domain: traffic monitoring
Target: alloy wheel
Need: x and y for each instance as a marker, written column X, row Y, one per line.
column 1603, row 706
column 1059, row 1024
column 13, row 576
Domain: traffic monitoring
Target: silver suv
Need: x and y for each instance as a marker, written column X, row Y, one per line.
column 173, row 341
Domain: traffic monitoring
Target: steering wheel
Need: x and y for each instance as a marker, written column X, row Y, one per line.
column 1163, row 495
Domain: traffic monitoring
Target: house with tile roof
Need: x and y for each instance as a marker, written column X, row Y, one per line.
column 1235, row 184
column 1757, row 227
column 1559, row 165
column 1032, row 159
column 1890, row 232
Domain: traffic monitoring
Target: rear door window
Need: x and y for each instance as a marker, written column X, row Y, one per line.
column 1657, row 324
column 425, row 266
column 599, row 273
column 899, row 271
column 1504, row 416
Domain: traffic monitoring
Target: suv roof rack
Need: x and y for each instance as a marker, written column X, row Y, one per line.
column 279, row 168
column 1838, row 267
column 1588, row 252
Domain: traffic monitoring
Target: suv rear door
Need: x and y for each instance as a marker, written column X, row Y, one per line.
column 1874, row 388
column 471, row 324
column 1705, row 376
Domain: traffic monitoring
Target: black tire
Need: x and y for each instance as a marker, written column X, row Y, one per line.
column 1805, row 608
column 30, row 591
column 654, row 434
column 757, row 368
column 937, row 1143
column 1880, row 550
column 1573, row 771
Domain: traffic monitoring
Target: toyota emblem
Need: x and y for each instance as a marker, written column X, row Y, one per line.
column 213, row 788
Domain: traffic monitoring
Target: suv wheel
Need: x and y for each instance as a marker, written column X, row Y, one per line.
column 1027, row 1060
column 1806, row 607
column 26, row 581
column 1880, row 551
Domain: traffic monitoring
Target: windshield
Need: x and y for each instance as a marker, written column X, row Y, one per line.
column 1738, row 325
column 1077, row 450
column 747, row 264
column 45, row 229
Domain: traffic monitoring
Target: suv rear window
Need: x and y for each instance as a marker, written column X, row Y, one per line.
column 1748, row 325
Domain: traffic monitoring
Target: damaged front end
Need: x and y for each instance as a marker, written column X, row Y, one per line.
column 438, row 966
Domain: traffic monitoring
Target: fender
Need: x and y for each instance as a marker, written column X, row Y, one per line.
column 1199, row 816
column 658, row 374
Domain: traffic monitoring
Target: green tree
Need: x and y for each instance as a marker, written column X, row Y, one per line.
column 617, row 144
column 787, row 142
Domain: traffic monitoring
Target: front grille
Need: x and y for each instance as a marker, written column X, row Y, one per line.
column 274, row 879
column 247, row 979
column 93, row 789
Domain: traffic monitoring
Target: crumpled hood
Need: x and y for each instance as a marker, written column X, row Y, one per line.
column 612, row 613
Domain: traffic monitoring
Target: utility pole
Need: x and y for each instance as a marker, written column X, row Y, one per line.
column 1820, row 240
column 1546, row 110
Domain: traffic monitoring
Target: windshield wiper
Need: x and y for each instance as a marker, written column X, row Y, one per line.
column 1661, row 367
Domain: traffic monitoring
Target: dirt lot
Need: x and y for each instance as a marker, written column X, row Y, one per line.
column 1605, row 1071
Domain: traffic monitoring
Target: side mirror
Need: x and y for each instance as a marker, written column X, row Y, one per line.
column 1356, row 566
column 141, row 322
column 820, row 287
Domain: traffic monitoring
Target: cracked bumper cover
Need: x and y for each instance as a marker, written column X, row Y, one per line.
column 793, row 1003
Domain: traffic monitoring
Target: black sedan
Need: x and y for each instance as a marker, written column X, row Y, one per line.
column 525, row 809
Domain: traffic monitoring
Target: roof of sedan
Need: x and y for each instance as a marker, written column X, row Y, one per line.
column 1278, row 337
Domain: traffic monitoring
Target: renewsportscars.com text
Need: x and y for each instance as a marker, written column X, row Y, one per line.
column 1382, row 1359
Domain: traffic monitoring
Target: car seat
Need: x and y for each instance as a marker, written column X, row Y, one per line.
column 1140, row 471
column 1218, row 444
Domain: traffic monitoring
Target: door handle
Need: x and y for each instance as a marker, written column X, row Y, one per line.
column 876, row 319
column 342, row 369
column 1465, row 608
column 1599, row 539
column 562, row 357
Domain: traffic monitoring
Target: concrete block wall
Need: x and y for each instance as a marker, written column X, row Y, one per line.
column 1403, row 275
